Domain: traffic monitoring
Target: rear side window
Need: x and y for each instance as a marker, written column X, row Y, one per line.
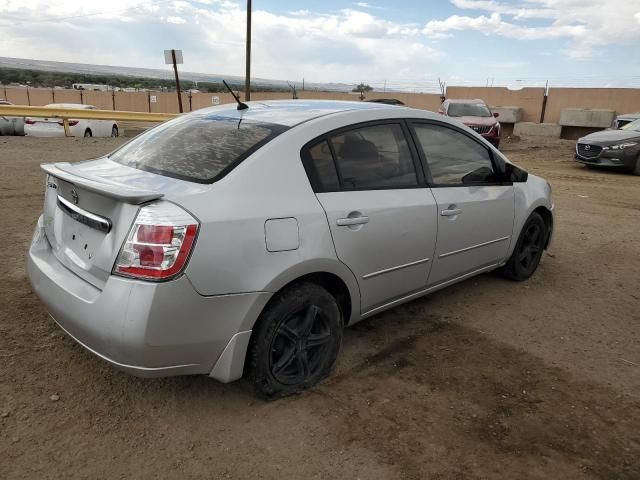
column 196, row 148
column 453, row 158
column 366, row 158
column 324, row 166
column 374, row 157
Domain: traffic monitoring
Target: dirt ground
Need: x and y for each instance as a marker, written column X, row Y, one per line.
column 486, row 379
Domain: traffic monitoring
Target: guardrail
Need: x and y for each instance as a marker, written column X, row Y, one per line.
column 82, row 114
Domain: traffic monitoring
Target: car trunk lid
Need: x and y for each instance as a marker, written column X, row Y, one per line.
column 87, row 217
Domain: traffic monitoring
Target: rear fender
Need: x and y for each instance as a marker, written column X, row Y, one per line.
column 334, row 267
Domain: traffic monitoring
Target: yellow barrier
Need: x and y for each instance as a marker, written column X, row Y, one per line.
column 66, row 113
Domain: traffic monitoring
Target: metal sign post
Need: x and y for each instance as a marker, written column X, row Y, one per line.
column 175, row 57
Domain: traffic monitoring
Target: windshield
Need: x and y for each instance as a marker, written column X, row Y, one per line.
column 635, row 125
column 196, row 148
column 468, row 110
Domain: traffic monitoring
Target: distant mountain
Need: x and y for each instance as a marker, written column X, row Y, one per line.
column 85, row 68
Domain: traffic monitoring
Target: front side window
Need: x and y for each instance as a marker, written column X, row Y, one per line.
column 196, row 148
column 453, row 158
column 376, row 156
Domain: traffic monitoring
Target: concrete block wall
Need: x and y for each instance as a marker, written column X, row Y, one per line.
column 586, row 117
column 529, row 100
column 621, row 100
column 508, row 114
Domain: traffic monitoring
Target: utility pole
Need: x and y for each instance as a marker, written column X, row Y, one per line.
column 175, row 70
column 544, row 102
column 247, row 76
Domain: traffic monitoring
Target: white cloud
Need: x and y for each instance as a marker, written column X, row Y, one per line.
column 176, row 20
column 348, row 45
column 585, row 24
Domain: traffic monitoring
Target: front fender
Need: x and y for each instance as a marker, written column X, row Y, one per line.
column 530, row 195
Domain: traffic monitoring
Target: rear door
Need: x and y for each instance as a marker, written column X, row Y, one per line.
column 381, row 215
column 475, row 204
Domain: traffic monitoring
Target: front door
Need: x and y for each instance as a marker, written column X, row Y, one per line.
column 382, row 217
column 475, row 204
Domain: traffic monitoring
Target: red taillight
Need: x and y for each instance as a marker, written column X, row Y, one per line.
column 71, row 122
column 155, row 233
column 29, row 121
column 159, row 243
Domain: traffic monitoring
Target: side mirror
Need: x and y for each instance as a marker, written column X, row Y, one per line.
column 515, row 174
column 496, row 114
column 479, row 175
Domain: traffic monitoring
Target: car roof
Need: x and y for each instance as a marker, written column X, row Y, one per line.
column 78, row 106
column 466, row 100
column 289, row 112
column 629, row 115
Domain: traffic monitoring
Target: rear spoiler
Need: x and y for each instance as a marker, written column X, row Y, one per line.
column 119, row 191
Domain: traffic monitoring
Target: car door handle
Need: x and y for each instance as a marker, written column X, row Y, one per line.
column 346, row 222
column 450, row 212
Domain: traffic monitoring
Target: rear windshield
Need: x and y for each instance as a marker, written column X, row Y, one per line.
column 196, row 148
column 468, row 110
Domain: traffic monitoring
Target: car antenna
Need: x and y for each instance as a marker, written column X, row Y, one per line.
column 241, row 105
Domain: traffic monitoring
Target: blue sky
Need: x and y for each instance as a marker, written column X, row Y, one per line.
column 405, row 44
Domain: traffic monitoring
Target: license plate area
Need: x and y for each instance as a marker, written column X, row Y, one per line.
column 80, row 242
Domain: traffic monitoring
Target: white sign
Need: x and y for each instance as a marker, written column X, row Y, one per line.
column 153, row 99
column 215, row 100
column 168, row 59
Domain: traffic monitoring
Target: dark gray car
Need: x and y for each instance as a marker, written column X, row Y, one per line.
column 10, row 125
column 612, row 148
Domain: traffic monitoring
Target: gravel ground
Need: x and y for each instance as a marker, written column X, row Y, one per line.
column 486, row 379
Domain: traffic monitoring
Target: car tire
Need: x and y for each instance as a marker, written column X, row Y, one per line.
column 87, row 133
column 528, row 251
column 114, row 131
column 636, row 170
column 295, row 342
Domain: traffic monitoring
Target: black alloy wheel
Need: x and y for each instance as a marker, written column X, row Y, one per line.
column 528, row 251
column 295, row 342
column 531, row 247
column 300, row 346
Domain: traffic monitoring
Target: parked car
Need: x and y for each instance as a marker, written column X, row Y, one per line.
column 618, row 149
column 53, row 127
column 229, row 241
column 625, row 119
column 476, row 115
column 11, row 125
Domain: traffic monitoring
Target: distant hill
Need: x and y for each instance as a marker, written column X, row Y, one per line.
column 88, row 69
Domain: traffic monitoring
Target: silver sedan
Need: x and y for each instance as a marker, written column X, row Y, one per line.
column 240, row 242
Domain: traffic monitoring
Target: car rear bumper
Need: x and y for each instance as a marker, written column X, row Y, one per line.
column 35, row 131
column 144, row 328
